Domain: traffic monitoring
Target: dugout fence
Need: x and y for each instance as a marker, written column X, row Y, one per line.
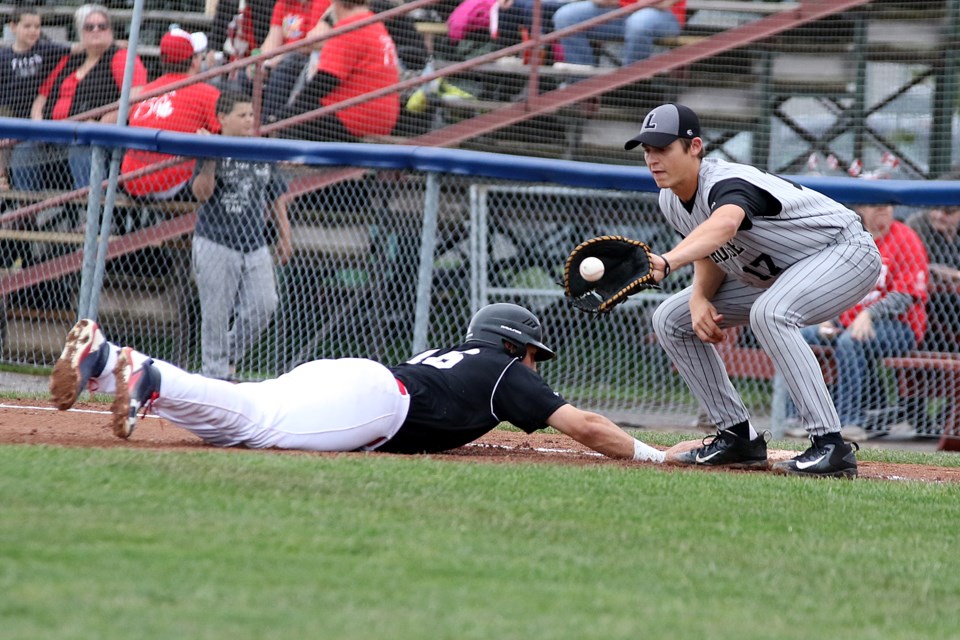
column 394, row 248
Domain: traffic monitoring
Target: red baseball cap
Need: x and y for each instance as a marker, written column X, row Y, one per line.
column 179, row 46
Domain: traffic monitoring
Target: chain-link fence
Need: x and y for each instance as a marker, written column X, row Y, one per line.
column 385, row 261
column 392, row 250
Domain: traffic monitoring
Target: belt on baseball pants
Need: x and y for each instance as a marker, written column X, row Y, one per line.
column 379, row 441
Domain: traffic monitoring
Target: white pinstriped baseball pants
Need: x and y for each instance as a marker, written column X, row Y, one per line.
column 811, row 291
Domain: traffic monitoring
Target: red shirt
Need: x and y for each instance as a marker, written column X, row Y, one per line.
column 363, row 60
column 904, row 270
column 297, row 18
column 679, row 10
column 186, row 109
column 68, row 87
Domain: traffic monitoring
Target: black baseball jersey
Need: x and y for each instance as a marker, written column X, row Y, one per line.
column 461, row 393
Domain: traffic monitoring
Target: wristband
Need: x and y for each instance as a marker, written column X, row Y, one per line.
column 645, row 453
column 666, row 267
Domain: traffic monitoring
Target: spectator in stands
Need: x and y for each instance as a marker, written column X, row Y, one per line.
column 349, row 65
column 638, row 31
column 411, row 49
column 938, row 230
column 480, row 26
column 237, row 33
column 190, row 109
column 231, row 260
column 86, row 80
column 889, row 321
column 23, row 66
column 292, row 21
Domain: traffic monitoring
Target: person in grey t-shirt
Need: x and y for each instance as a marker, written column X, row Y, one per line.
column 231, row 257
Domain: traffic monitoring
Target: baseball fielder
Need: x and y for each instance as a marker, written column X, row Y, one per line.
column 438, row 400
column 767, row 252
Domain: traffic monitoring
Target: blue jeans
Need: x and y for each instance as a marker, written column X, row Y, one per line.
column 34, row 166
column 638, row 31
column 280, row 84
column 858, row 385
column 80, row 160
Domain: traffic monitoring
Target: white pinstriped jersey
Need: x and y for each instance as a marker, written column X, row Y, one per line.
column 769, row 241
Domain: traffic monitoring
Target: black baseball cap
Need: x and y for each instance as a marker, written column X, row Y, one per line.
column 665, row 124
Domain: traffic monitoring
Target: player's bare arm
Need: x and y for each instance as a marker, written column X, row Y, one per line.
column 719, row 229
column 600, row 434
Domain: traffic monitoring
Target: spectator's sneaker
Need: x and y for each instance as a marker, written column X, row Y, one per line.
column 794, row 428
column 828, row 456
column 726, row 449
column 854, row 433
column 138, row 385
column 84, row 356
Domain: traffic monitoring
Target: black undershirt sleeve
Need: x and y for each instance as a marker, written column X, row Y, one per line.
column 752, row 199
column 319, row 86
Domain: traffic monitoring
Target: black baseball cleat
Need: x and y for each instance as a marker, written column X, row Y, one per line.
column 726, row 449
column 828, row 457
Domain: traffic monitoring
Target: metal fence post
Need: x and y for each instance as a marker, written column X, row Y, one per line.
column 428, row 241
column 94, row 266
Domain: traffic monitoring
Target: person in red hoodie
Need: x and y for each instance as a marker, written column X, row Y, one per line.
column 189, row 109
column 349, row 65
column 639, row 31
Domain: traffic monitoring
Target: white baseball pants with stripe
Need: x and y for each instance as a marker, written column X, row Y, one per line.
column 323, row 405
column 811, row 291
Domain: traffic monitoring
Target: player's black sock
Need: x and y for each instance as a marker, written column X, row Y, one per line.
column 741, row 429
column 830, row 438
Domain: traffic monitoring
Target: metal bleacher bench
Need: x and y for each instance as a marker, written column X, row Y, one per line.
column 430, row 30
column 58, row 22
column 919, row 375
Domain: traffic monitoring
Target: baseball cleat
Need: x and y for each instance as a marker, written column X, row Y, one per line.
column 138, row 385
column 84, row 356
column 726, row 449
column 827, row 457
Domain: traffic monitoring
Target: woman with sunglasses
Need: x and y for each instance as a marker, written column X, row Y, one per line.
column 86, row 80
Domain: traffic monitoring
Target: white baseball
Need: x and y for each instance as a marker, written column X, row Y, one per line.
column 591, row 269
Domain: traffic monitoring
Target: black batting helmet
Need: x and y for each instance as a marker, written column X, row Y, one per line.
column 504, row 321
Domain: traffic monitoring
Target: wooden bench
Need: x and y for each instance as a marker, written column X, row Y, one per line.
column 751, row 362
column 920, row 375
column 927, row 374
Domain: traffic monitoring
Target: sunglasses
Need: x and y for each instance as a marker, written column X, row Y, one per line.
column 96, row 26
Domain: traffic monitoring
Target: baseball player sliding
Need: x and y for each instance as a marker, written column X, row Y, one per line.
column 438, row 400
column 767, row 252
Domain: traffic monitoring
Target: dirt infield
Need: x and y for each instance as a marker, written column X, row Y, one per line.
column 87, row 425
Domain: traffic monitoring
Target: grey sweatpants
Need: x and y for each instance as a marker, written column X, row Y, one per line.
column 233, row 286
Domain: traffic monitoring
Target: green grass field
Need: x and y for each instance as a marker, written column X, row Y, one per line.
column 134, row 544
